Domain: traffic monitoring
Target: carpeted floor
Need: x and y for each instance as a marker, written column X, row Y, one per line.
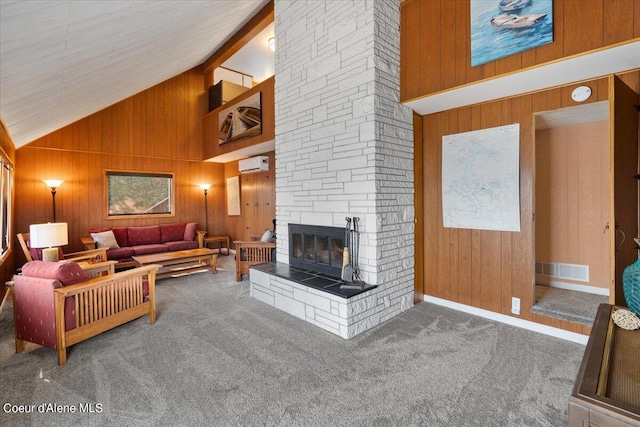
column 573, row 306
column 218, row 357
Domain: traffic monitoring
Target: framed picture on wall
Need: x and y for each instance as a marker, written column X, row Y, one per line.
column 233, row 196
column 504, row 27
column 138, row 194
column 241, row 120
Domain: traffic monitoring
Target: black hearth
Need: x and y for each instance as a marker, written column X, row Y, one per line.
column 316, row 248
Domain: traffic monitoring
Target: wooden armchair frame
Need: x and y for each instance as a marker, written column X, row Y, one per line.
column 251, row 253
column 91, row 256
column 101, row 303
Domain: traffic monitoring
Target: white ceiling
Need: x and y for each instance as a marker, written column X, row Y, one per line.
column 61, row 60
column 255, row 58
column 570, row 116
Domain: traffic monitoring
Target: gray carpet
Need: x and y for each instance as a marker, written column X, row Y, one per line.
column 218, row 357
column 573, row 306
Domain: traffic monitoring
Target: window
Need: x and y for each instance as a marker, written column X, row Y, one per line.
column 6, row 185
column 141, row 194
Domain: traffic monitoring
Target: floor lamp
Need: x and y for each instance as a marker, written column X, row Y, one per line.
column 53, row 183
column 205, row 187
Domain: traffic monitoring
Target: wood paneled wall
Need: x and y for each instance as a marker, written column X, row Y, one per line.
column 572, row 199
column 257, row 202
column 436, row 46
column 157, row 130
column 485, row 269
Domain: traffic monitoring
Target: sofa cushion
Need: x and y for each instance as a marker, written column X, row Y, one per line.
column 120, row 254
column 182, row 245
column 105, row 239
column 121, row 236
column 67, row 273
column 143, row 235
column 172, row 232
column 190, row 231
column 149, row 249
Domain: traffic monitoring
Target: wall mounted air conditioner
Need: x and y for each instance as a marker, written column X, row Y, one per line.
column 254, row 164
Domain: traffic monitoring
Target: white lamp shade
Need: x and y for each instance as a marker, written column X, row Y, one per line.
column 53, row 183
column 48, row 235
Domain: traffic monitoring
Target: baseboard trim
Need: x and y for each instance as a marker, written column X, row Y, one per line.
column 573, row 286
column 513, row 321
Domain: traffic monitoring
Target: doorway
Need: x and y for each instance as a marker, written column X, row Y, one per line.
column 572, row 212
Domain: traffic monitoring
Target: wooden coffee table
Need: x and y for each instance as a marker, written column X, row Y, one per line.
column 180, row 262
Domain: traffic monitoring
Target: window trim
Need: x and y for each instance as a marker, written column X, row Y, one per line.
column 111, row 172
column 5, row 162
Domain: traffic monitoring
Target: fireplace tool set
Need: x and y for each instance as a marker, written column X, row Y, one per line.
column 350, row 268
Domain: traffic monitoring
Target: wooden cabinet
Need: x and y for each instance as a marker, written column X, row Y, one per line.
column 607, row 388
column 257, row 198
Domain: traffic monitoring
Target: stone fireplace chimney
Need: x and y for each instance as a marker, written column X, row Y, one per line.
column 344, row 144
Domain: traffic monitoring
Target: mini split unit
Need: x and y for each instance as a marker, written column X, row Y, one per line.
column 254, row 164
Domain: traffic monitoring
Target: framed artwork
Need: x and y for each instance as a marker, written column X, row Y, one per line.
column 138, row 194
column 504, row 27
column 233, row 196
column 241, row 120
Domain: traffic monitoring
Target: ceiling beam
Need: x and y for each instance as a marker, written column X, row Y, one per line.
column 252, row 28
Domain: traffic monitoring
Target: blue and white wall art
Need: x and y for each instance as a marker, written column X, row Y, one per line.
column 501, row 28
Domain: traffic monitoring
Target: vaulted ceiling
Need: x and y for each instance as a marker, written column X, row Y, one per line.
column 63, row 60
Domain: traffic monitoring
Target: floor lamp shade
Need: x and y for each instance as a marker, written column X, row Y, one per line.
column 50, row 236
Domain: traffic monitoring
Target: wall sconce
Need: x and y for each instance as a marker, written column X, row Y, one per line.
column 48, row 236
column 205, row 187
column 53, row 183
column 272, row 44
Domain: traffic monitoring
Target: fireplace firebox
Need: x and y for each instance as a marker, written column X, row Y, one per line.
column 316, row 248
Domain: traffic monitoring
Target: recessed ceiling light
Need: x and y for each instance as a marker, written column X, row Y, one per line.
column 272, row 44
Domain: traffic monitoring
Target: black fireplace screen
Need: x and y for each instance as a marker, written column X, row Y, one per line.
column 316, row 248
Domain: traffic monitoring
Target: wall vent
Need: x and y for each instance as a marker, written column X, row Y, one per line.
column 563, row 271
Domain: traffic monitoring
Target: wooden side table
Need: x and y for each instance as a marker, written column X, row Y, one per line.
column 218, row 240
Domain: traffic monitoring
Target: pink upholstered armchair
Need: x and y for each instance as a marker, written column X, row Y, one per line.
column 57, row 305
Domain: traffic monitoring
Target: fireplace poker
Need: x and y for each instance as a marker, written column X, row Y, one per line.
column 355, row 248
column 347, row 269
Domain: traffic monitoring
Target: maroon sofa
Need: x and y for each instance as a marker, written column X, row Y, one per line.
column 144, row 240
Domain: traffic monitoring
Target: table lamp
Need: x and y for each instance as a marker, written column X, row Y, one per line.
column 48, row 236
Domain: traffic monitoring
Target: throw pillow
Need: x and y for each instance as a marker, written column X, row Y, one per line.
column 266, row 237
column 172, row 232
column 190, row 231
column 106, row 239
column 66, row 272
